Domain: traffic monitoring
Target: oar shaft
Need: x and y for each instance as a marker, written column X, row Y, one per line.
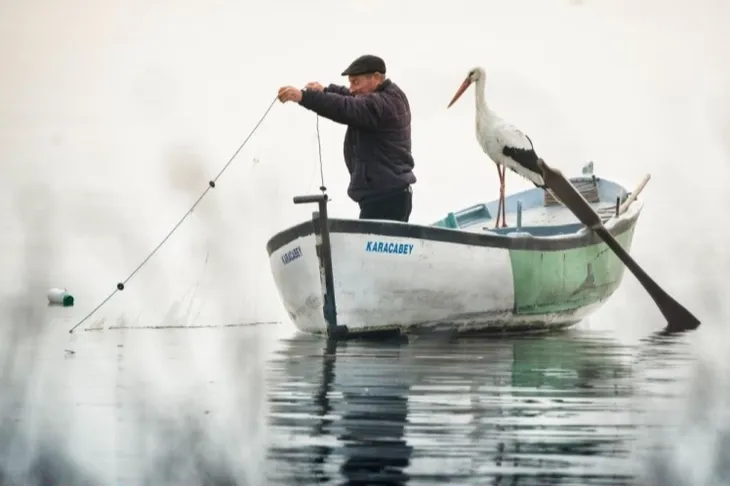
column 634, row 194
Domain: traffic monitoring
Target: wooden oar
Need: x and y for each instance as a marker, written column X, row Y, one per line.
column 625, row 205
column 677, row 316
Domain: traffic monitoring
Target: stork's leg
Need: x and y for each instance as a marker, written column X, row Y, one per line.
column 502, row 175
column 500, row 208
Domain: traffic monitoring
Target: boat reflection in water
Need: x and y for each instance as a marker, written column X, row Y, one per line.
column 345, row 425
column 536, row 410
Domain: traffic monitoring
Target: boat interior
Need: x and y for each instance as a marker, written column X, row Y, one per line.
column 535, row 211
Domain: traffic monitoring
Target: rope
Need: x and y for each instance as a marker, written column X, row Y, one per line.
column 186, row 327
column 322, row 187
column 211, row 185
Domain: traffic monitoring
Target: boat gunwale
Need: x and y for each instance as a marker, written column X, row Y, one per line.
column 393, row 229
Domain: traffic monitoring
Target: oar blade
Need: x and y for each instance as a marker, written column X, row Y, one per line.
column 677, row 316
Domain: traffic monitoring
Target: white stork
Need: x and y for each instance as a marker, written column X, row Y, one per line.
column 504, row 144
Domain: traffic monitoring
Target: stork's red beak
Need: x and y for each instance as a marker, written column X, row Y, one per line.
column 460, row 91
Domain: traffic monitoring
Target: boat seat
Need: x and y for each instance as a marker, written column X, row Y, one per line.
column 451, row 221
column 588, row 188
column 606, row 212
column 476, row 213
column 465, row 217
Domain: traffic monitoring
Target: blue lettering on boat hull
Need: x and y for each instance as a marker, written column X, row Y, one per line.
column 388, row 247
column 291, row 255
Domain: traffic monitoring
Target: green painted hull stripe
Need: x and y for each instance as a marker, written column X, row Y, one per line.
column 564, row 280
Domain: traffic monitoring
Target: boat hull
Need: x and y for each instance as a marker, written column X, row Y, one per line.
column 394, row 275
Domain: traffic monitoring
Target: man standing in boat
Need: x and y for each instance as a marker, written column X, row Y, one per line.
column 377, row 145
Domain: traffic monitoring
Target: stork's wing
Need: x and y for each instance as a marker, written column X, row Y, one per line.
column 510, row 136
column 517, row 147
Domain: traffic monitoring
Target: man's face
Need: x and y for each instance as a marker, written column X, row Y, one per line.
column 364, row 83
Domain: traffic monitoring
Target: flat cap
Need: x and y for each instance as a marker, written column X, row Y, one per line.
column 365, row 64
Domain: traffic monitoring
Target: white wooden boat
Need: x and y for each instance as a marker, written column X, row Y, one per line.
column 545, row 271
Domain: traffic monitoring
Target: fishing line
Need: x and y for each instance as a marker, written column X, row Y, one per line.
column 211, row 185
column 187, row 327
column 322, row 188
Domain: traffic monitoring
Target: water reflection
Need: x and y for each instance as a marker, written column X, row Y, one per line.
column 539, row 410
column 351, row 428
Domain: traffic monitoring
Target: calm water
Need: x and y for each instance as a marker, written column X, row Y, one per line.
column 267, row 405
column 554, row 409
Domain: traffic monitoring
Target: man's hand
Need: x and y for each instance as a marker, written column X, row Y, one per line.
column 290, row 93
column 314, row 86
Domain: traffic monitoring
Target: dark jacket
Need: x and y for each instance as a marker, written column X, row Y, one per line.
column 377, row 146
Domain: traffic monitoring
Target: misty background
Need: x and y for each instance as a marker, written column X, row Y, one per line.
column 115, row 115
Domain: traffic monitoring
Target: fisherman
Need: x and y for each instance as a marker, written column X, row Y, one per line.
column 377, row 145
